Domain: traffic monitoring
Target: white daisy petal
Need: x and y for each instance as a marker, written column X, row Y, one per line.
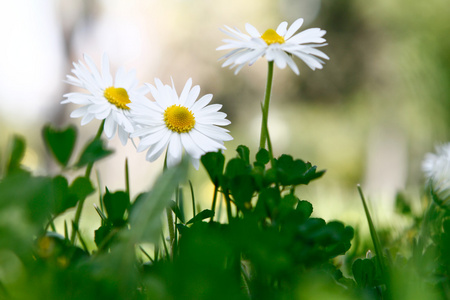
column 252, row 30
column 105, row 98
column 281, row 29
column 123, row 135
column 205, row 143
column 79, row 112
column 202, row 102
column 185, row 92
column 274, row 45
column 174, row 151
column 293, row 28
column 214, row 132
column 436, row 168
column 158, row 148
column 184, row 125
column 93, row 109
column 110, row 127
column 192, row 96
column 195, row 162
column 86, row 119
column 191, row 148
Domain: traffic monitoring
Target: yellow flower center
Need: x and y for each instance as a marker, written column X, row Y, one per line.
column 117, row 96
column 179, row 119
column 272, row 37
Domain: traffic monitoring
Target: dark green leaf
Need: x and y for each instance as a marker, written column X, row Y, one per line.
column 294, row 172
column 94, row 151
column 115, row 205
column 213, row 163
column 305, row 207
column 17, row 152
column 262, row 156
column 268, row 200
column 81, row 187
column 62, row 198
column 182, row 229
column 287, row 204
column 207, row 213
column 101, row 233
column 364, row 272
column 236, row 167
column 242, row 188
column 244, row 153
column 60, row 142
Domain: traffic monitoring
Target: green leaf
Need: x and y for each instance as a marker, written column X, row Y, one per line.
column 204, row 214
column 287, row 204
column 28, row 193
column 364, row 271
column 236, row 167
column 182, row 229
column 93, row 152
column 294, row 172
column 176, row 210
column 213, row 163
column 145, row 216
column 115, row 205
column 242, row 188
column 268, row 201
column 244, row 153
column 62, row 198
column 262, row 157
column 61, row 142
column 81, row 187
column 305, row 208
column 101, row 233
column 17, row 152
column 401, row 204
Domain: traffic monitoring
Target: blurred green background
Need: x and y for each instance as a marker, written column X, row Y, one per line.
column 379, row 104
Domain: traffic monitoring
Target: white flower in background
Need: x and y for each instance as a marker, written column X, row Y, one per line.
column 107, row 99
column 436, row 167
column 276, row 45
column 178, row 122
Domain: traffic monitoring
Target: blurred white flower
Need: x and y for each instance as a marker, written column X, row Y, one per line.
column 178, row 122
column 107, row 99
column 436, row 167
column 276, row 45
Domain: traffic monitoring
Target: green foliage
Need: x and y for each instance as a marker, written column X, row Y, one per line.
column 17, row 152
column 204, row 214
column 115, row 205
column 93, row 152
column 61, row 143
column 272, row 247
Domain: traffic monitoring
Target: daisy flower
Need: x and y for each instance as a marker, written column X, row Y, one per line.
column 436, row 167
column 276, row 45
column 178, row 122
column 107, row 99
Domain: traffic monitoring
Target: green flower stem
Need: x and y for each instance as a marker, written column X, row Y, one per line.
column 384, row 267
column 87, row 174
column 170, row 221
column 193, row 198
column 265, row 108
column 127, row 177
column 213, row 207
